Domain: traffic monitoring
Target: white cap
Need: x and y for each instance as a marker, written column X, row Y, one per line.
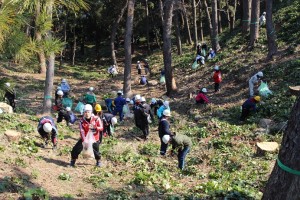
column 264, row 13
column 7, row 84
column 138, row 61
column 88, row 107
column 204, row 90
column 131, row 102
column 216, row 67
column 47, row 127
column 68, row 109
column 143, row 99
column 114, row 120
column 114, row 65
column 153, row 100
column 166, row 103
column 63, row 80
column 119, row 92
column 260, row 74
column 60, row 93
column 166, row 139
column 137, row 97
column 210, row 49
column 167, row 113
column 127, row 99
column 91, row 89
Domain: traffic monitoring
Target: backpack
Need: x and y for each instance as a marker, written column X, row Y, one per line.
column 73, row 118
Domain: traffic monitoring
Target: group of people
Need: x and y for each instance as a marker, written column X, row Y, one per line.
column 202, row 54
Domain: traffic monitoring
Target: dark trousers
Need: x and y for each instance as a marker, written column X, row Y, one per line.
column 217, row 87
column 163, row 147
column 106, row 129
column 78, row 148
column 11, row 99
column 120, row 111
column 139, row 71
column 245, row 114
column 46, row 136
column 63, row 115
column 181, row 156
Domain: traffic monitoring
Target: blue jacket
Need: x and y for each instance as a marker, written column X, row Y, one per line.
column 119, row 102
column 249, row 104
column 143, row 80
column 161, row 110
column 163, row 128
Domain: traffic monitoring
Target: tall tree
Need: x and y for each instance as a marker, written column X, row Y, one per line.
column 284, row 181
column 219, row 17
column 177, row 31
column 214, row 18
column 272, row 45
column 231, row 10
column 208, row 18
column 254, row 25
column 128, row 36
column 170, row 81
column 200, row 20
column 147, row 25
column 195, row 23
column 246, row 16
column 186, row 24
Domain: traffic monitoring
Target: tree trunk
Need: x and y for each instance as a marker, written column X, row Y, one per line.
column 177, row 30
column 195, row 24
column 282, row 184
column 272, row 45
column 232, row 15
column 128, row 36
column 62, row 53
column 200, row 20
column 220, row 30
column 38, row 37
column 170, row 81
column 186, row 25
column 208, row 18
column 215, row 35
column 114, row 33
column 147, row 26
column 246, row 16
column 74, row 46
column 254, row 25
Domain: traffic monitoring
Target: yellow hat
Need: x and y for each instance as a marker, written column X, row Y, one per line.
column 257, row 98
column 98, row 108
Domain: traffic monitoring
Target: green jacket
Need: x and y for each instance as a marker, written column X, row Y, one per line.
column 181, row 141
column 90, row 99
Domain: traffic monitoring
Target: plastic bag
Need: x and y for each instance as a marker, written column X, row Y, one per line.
column 264, row 89
column 162, row 79
column 79, row 108
column 67, row 102
column 125, row 109
column 87, row 151
column 149, row 119
column 195, row 65
column 73, row 118
column 112, row 129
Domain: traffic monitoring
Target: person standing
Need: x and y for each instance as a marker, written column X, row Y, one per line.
column 119, row 103
column 140, row 118
column 161, row 109
column 58, row 101
column 88, row 122
column 65, row 87
column 47, row 128
column 255, row 79
column 183, row 145
column 147, row 67
column 90, row 97
column 262, row 19
column 139, row 67
column 164, row 129
column 217, row 76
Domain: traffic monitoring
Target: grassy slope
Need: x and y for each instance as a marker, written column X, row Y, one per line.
column 221, row 163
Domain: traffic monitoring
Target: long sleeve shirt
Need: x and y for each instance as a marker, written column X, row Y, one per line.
column 94, row 124
column 181, row 141
column 164, row 127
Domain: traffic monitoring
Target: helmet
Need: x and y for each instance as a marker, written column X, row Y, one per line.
column 166, row 103
column 58, row 88
column 91, row 89
column 114, row 65
column 131, row 102
column 257, row 98
column 47, row 127
column 167, row 113
column 137, row 97
column 88, row 107
column 153, row 100
column 210, row 49
column 68, row 109
column 63, row 80
column 60, row 93
column 127, row 100
column 204, row 90
column 7, row 84
column 143, row 99
column 260, row 74
column 264, row 13
column 98, row 108
column 114, row 120
column 216, row 67
column 119, row 92
column 138, row 61
column 166, row 139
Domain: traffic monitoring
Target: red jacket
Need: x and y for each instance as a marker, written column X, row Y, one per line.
column 203, row 97
column 217, row 77
column 84, row 127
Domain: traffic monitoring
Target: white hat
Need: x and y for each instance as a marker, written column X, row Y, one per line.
column 143, row 99
column 204, row 90
column 131, row 102
column 60, row 93
column 210, row 49
column 138, row 61
column 68, row 109
column 216, row 67
column 114, row 65
column 166, row 103
column 137, row 97
column 7, row 84
column 260, row 74
column 119, row 92
column 153, row 100
column 127, row 99
column 167, row 113
column 47, row 127
column 166, row 139
column 264, row 13
column 88, row 107
column 91, row 89
column 114, row 120
column 63, row 80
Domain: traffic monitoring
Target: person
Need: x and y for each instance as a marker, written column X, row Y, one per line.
column 98, row 111
column 143, row 80
column 58, row 102
column 140, row 118
column 147, row 67
column 204, row 49
column 112, row 70
column 262, row 19
column 200, row 59
column 217, row 76
column 56, row 95
column 67, row 115
column 164, row 129
column 201, row 98
column 65, row 87
column 147, row 108
column 183, row 145
column 90, row 97
column 156, row 104
column 162, row 78
column 45, row 128
column 127, row 109
column 249, row 106
column 199, row 49
column 211, row 54
column 119, row 103
column 109, row 121
column 139, row 67
column 10, row 95
column 255, row 79
column 161, row 109
column 88, row 122
column 109, row 104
